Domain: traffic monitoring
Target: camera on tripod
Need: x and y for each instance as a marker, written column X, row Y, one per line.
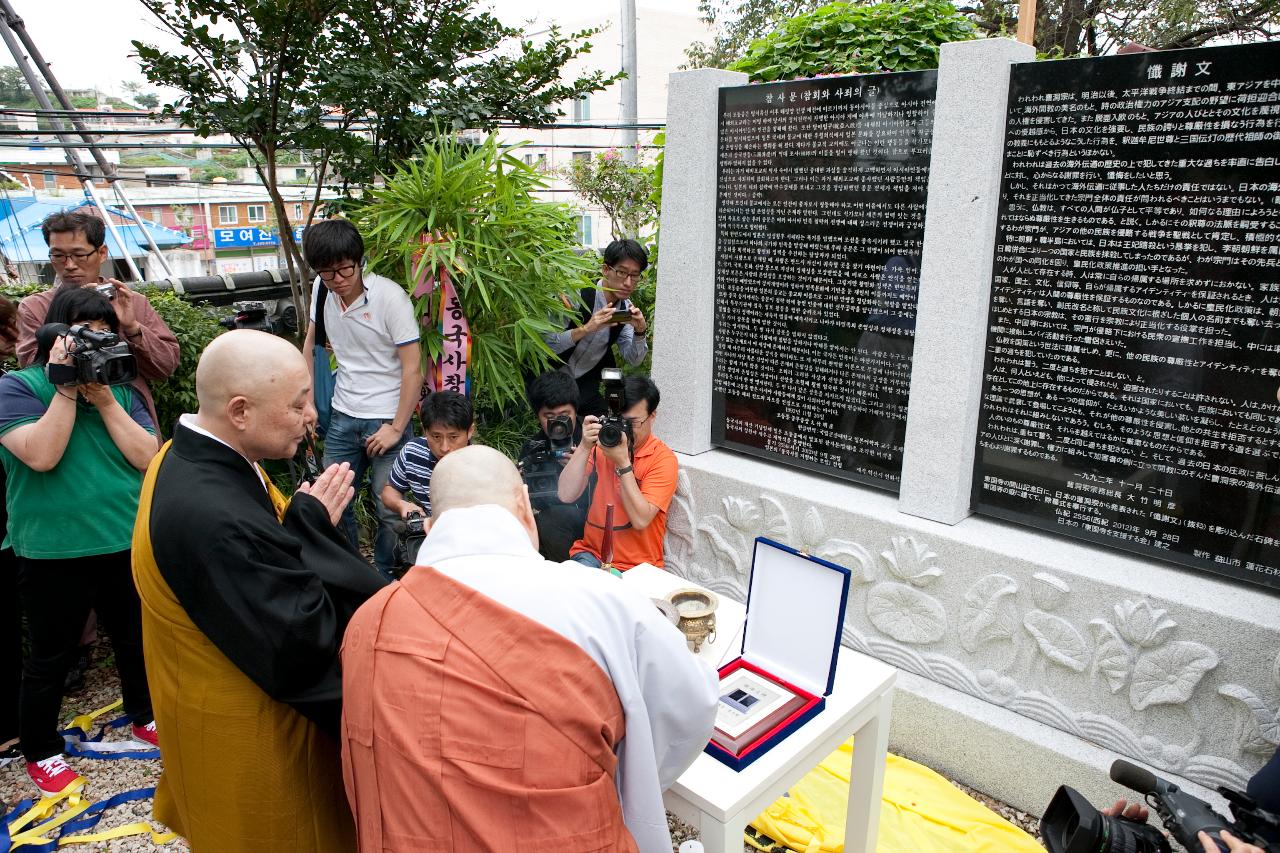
column 613, row 425
column 250, row 314
column 1071, row 825
column 96, row 357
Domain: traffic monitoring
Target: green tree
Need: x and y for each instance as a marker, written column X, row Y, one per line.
column 14, row 90
column 510, row 255
column 842, row 38
column 1063, row 27
column 624, row 190
column 359, row 83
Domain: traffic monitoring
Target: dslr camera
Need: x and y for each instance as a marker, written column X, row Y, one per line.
column 1071, row 825
column 250, row 314
column 96, row 357
column 411, row 531
column 613, row 425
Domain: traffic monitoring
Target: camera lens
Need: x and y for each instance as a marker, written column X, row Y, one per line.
column 610, row 435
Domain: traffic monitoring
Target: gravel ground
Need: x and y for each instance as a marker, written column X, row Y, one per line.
column 111, row 777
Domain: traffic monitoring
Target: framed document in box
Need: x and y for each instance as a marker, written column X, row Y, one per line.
column 753, row 704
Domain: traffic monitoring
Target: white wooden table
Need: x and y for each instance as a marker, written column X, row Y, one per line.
column 719, row 802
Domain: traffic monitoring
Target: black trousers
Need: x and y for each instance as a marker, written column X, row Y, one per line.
column 10, row 646
column 57, row 596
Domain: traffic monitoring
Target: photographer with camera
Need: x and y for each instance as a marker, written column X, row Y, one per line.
column 73, row 450
column 636, row 474
column 77, row 251
column 554, row 399
column 606, row 318
column 1071, row 825
column 448, row 423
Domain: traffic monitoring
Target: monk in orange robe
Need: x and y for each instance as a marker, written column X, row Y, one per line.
column 495, row 701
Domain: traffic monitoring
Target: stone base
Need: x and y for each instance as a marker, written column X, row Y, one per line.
column 1002, row 754
column 1030, row 660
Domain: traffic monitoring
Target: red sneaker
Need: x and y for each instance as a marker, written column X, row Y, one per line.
column 147, row 734
column 52, row 775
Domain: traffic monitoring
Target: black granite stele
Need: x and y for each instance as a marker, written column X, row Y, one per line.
column 1133, row 349
column 820, row 225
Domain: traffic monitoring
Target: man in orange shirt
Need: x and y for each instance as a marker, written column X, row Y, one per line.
column 637, row 475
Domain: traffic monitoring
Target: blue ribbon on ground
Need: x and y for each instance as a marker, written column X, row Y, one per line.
column 75, row 736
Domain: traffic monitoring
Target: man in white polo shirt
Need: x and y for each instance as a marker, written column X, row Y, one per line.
column 370, row 325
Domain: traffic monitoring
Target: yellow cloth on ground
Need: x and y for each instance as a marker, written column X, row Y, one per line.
column 921, row 812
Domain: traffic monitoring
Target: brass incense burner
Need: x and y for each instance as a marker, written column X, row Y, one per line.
column 697, row 609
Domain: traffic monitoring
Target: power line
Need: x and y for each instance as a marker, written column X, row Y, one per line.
column 40, row 143
column 195, row 183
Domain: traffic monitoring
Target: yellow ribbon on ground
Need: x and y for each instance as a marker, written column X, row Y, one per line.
column 43, row 811
column 921, row 812
column 84, row 722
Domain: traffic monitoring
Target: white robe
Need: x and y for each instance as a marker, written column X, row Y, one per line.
column 668, row 695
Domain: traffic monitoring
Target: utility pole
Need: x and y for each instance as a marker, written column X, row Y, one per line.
column 16, row 26
column 630, row 87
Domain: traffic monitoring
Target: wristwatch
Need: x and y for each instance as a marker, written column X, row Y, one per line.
column 621, row 471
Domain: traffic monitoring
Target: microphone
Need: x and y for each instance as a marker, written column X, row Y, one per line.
column 1133, row 777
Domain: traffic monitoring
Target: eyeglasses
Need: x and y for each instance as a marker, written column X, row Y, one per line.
column 330, row 275
column 634, row 276
column 58, row 257
column 635, row 422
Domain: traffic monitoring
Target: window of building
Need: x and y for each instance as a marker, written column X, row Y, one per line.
column 227, row 214
column 50, row 181
column 300, row 174
column 257, row 213
column 297, row 212
column 582, row 108
column 584, row 230
column 582, row 156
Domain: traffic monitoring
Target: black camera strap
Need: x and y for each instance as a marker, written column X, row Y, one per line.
column 321, row 338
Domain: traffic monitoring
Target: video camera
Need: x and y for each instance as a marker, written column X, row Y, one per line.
column 411, row 530
column 1071, row 825
column 96, row 357
column 251, row 314
column 613, row 425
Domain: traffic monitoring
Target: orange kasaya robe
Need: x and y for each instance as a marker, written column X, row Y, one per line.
column 470, row 727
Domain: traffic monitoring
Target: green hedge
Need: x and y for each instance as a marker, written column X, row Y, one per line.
column 194, row 326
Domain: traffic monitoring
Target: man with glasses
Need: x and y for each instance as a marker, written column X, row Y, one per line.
column 77, row 250
column 370, row 326
column 607, row 318
column 637, row 476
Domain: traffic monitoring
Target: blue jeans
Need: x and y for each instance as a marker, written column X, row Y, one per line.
column 344, row 442
column 587, row 559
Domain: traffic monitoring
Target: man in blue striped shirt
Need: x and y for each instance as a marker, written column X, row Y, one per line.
column 447, row 424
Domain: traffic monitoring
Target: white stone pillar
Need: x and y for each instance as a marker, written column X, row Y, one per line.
column 685, row 309
column 955, row 276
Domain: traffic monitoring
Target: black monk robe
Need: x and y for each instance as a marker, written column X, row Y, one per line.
column 273, row 592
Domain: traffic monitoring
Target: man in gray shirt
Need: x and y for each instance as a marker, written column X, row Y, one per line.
column 608, row 318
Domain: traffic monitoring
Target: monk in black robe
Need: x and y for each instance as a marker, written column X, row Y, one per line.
column 245, row 597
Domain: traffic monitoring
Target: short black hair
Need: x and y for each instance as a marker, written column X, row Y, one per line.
column 620, row 250
column 447, row 408
column 332, row 242
column 637, row 388
column 72, row 305
column 551, row 389
column 68, row 221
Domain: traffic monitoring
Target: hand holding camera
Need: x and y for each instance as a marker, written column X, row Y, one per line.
column 78, row 355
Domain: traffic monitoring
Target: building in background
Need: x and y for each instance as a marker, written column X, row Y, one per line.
column 661, row 38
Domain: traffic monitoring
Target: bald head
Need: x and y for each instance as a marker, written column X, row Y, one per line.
column 244, row 362
column 255, row 394
column 476, row 475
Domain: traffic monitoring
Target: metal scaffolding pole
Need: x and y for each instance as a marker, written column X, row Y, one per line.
column 16, row 25
column 630, row 85
column 72, row 155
